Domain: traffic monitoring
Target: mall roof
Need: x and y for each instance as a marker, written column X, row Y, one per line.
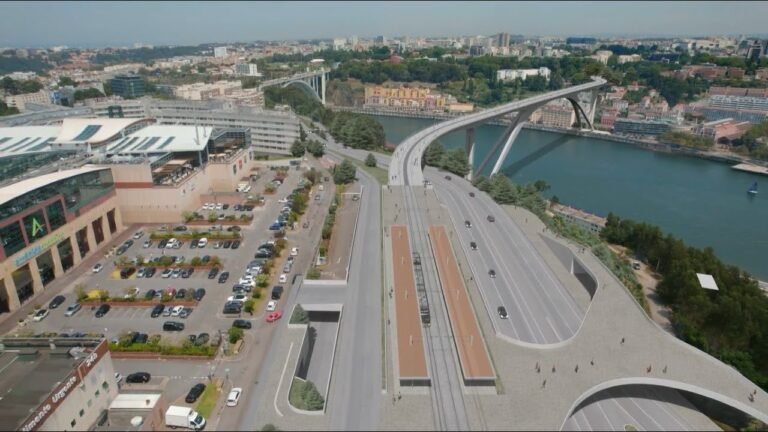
column 19, row 140
column 95, row 130
column 163, row 139
column 25, row 186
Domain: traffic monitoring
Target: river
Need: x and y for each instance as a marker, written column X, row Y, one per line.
column 703, row 202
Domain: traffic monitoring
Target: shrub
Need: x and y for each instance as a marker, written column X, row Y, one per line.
column 257, row 293
column 269, row 427
column 299, row 315
column 81, row 293
column 313, row 273
column 235, row 334
column 188, row 216
column 212, row 217
column 103, row 295
column 196, row 261
column 262, row 280
column 166, row 298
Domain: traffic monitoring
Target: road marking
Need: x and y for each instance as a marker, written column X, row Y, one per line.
column 282, row 375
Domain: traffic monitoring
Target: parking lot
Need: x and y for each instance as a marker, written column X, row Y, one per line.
column 207, row 315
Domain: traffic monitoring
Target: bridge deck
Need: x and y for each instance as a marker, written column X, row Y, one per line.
column 410, row 342
column 473, row 355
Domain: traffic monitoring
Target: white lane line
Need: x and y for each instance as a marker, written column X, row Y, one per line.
column 637, row 423
column 282, row 375
column 665, row 403
column 634, row 401
column 602, row 411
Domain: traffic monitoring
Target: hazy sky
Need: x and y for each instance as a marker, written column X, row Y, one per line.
column 120, row 23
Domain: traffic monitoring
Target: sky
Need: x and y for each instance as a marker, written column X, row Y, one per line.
column 98, row 24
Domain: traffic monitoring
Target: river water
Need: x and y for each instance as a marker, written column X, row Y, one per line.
column 703, row 202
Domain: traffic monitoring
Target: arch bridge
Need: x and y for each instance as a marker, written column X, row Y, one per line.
column 311, row 81
column 405, row 168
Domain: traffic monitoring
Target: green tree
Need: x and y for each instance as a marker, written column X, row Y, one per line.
column 315, row 148
column 456, row 161
column 433, row 154
column 302, row 133
column 262, row 280
column 502, row 190
column 235, row 334
column 370, row 160
column 67, row 81
column 297, row 149
column 344, row 173
column 248, row 306
column 212, row 217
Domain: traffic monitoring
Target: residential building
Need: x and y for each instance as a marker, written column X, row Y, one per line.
column 512, row 74
column 738, row 91
column 722, row 131
column 380, row 41
column 128, row 86
column 584, row 220
column 580, row 41
column 602, row 56
column 203, row 91
column 461, row 107
column 608, row 119
column 477, row 50
column 20, row 101
column 220, row 52
column 502, row 40
column 339, row 43
column 247, row 69
column 738, row 102
column 415, row 98
column 757, row 50
column 557, row 114
column 55, row 384
column 712, row 113
column 640, row 127
column 628, row 58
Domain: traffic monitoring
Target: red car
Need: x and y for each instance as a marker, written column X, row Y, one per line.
column 274, row 316
column 171, row 292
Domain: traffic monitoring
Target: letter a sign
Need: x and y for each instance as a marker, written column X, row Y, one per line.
column 37, row 228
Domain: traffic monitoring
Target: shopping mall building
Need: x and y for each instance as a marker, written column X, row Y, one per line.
column 67, row 189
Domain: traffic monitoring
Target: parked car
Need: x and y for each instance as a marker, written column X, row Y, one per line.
column 233, row 307
column 271, row 305
column 72, row 309
column 127, row 272
column 199, row 294
column 157, row 310
column 218, row 245
column 274, row 316
column 473, row 245
column 138, row 235
column 139, row 338
column 138, row 378
column 468, row 224
column 283, row 278
column 234, row 396
column 502, row 312
column 236, row 244
column 277, row 291
column 202, row 339
column 237, row 298
column 162, row 244
column 185, row 312
column 193, row 244
column 203, row 242
column 97, row 268
column 227, row 244
column 213, row 272
column 294, row 251
column 147, row 243
column 173, row 326
column 40, row 315
column 182, row 293
column 168, row 311
column 242, row 324
column 180, row 228
column 205, row 259
column 186, row 273
column 166, row 273
column 171, row 292
column 194, row 393
column 491, row 218
column 447, row 177
column 175, row 273
column 492, row 273
column 149, row 272
column 102, row 310
column 223, row 277
column 56, row 302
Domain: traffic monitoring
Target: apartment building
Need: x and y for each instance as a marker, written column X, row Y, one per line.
column 512, row 74
column 416, row 98
column 20, row 101
column 203, row 91
column 247, row 69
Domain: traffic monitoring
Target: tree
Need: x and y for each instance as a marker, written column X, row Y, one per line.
column 248, row 306
column 433, row 154
column 187, row 216
column 67, row 81
column 262, row 280
column 456, row 161
column 297, row 148
column 502, row 190
column 344, row 173
column 370, row 160
column 302, row 133
column 212, row 217
column 315, row 148
column 235, row 334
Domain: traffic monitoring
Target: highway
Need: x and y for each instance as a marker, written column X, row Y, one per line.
column 643, row 407
column 540, row 309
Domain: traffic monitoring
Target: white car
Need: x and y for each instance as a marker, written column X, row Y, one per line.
column 138, row 235
column 176, row 310
column 237, row 298
column 40, row 315
column 147, row 243
column 118, row 378
column 272, row 305
column 166, row 273
column 282, row 200
column 294, row 251
column 283, row 278
column 97, row 268
column 245, row 280
column 219, row 206
column 203, row 242
column 234, row 396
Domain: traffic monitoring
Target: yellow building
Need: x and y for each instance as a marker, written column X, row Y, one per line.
column 405, row 97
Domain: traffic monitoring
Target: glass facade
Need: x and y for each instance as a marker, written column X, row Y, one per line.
column 22, row 278
column 98, row 231
column 56, row 216
column 12, row 238
column 111, row 221
column 14, row 166
column 66, row 254
column 45, row 266
column 4, row 304
column 82, row 241
column 128, row 86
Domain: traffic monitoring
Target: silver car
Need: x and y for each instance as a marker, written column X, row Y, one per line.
column 72, row 309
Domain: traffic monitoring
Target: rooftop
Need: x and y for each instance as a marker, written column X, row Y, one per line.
column 19, row 140
column 95, row 130
column 135, row 401
column 28, row 374
column 15, row 190
column 164, row 139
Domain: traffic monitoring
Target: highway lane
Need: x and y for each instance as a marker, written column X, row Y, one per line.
column 355, row 397
column 541, row 310
column 644, row 407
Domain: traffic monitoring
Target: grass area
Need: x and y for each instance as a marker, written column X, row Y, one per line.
column 208, row 400
column 304, row 395
column 380, row 174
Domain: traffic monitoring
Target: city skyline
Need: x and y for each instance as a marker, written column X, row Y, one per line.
column 229, row 22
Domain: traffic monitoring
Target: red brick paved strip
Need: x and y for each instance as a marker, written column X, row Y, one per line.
column 410, row 344
column 473, row 355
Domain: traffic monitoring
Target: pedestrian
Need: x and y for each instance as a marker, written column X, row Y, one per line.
column 544, row 384
column 622, row 341
column 649, row 369
column 577, row 369
column 553, row 369
column 399, row 396
column 537, row 365
column 665, row 369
